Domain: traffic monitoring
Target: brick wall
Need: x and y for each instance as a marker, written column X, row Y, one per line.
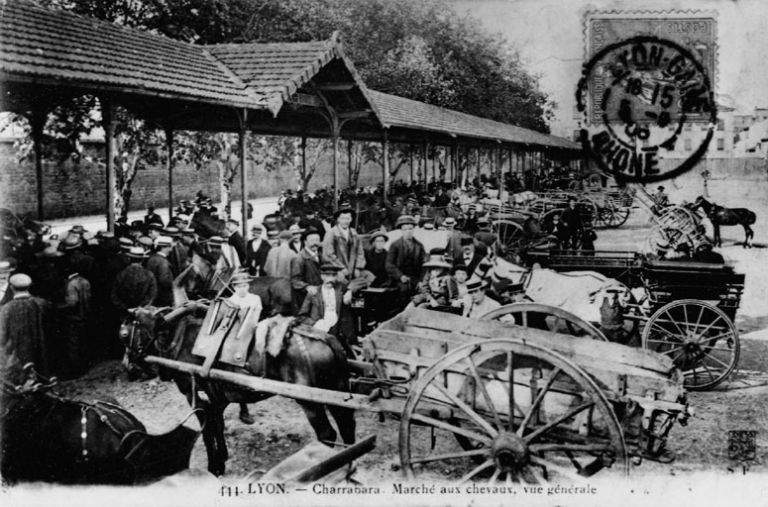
column 79, row 188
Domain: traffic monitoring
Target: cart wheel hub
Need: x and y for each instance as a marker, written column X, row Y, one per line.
column 509, row 452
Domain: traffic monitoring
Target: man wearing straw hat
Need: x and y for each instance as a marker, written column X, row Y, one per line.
column 481, row 304
column 159, row 266
column 251, row 303
column 134, row 286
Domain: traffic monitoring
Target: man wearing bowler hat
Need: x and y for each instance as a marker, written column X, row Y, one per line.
column 376, row 259
column 328, row 308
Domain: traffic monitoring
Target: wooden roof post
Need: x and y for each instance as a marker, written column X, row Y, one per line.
column 349, row 163
column 424, row 163
column 37, row 122
column 385, row 156
column 108, row 122
column 169, row 166
column 335, row 160
column 242, row 116
column 303, row 159
column 410, row 162
column 499, row 170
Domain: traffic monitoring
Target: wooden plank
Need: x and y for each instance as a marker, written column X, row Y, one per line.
column 336, row 461
column 398, row 341
column 564, row 344
column 294, row 391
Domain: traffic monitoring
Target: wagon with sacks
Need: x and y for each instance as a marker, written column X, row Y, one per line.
column 494, row 401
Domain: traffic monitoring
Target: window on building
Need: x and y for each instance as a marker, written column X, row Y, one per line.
column 688, row 145
column 720, row 125
column 720, row 144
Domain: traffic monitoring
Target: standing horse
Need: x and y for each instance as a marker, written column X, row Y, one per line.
column 304, row 360
column 719, row 215
column 46, row 437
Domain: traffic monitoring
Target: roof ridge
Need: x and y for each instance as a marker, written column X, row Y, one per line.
column 231, row 74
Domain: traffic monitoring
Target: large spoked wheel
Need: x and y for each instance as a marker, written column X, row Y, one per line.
column 524, row 413
column 548, row 318
column 701, row 340
column 510, row 234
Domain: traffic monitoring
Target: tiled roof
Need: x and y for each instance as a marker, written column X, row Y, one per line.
column 274, row 68
column 58, row 47
column 397, row 111
column 45, row 43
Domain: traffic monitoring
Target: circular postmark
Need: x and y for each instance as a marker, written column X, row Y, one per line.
column 639, row 99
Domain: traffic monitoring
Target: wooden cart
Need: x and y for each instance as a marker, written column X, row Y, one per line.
column 487, row 400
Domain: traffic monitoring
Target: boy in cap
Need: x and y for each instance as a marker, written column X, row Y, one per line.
column 24, row 326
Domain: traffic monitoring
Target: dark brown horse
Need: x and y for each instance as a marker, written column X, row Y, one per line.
column 47, row 437
column 302, row 360
column 719, row 215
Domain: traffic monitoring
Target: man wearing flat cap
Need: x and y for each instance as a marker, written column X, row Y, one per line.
column 256, row 252
column 405, row 257
column 159, row 266
column 24, row 325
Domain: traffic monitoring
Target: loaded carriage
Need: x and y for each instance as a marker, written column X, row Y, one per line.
column 686, row 309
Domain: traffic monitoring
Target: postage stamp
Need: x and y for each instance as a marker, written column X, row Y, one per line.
column 636, row 95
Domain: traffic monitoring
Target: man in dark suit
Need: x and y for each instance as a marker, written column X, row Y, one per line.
column 472, row 252
column 571, row 220
column 160, row 267
column 405, row 258
column 152, row 218
column 305, row 269
column 235, row 239
column 256, row 252
column 310, row 220
column 328, row 308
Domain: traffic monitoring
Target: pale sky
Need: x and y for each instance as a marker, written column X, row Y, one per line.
column 549, row 35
